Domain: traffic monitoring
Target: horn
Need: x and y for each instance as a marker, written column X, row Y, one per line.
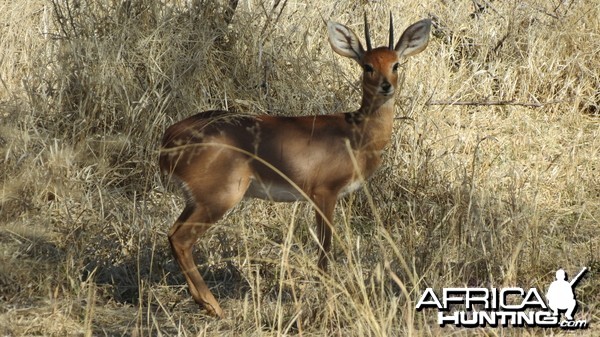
column 367, row 36
column 391, row 45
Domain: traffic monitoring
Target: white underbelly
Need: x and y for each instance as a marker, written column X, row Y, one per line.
column 287, row 193
column 273, row 192
column 353, row 186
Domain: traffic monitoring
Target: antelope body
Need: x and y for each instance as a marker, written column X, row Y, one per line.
column 220, row 158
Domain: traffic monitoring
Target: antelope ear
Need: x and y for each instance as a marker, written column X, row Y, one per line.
column 414, row 39
column 344, row 41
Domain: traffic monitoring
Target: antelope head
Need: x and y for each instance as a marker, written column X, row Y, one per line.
column 380, row 65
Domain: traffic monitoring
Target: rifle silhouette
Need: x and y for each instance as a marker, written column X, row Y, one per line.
column 576, row 278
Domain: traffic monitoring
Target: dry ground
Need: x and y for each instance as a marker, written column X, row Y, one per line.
column 469, row 195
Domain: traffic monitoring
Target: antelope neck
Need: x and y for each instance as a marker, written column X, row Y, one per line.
column 374, row 123
column 373, row 106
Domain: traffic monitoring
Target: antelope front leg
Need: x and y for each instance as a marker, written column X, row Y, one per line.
column 325, row 202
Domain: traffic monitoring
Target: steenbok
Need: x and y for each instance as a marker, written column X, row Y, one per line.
column 220, row 157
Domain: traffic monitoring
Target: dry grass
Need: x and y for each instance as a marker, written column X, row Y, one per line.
column 489, row 195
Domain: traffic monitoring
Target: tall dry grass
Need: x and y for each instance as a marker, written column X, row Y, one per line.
column 477, row 195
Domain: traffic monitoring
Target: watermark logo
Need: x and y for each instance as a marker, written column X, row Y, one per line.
column 514, row 306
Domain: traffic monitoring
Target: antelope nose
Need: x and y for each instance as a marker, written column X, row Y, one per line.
column 386, row 86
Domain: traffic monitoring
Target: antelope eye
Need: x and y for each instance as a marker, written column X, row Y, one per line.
column 368, row 68
column 395, row 67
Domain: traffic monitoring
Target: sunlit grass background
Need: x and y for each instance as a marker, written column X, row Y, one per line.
column 500, row 191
